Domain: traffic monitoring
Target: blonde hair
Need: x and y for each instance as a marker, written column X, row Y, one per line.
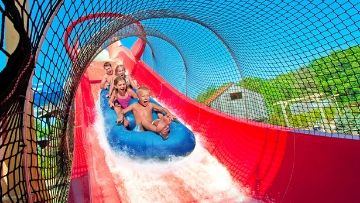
column 119, row 66
column 143, row 89
column 118, row 79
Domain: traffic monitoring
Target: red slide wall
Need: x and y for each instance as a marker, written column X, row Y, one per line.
column 276, row 164
column 91, row 180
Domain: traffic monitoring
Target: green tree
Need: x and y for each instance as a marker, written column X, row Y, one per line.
column 348, row 121
column 206, row 94
column 253, row 84
column 339, row 74
column 336, row 74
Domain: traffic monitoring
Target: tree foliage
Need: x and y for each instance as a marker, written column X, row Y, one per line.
column 336, row 75
column 206, row 94
column 339, row 74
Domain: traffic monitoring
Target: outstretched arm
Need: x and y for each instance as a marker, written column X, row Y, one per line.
column 133, row 82
column 132, row 93
column 111, row 90
column 121, row 112
column 128, row 109
column 164, row 111
column 103, row 82
column 111, row 99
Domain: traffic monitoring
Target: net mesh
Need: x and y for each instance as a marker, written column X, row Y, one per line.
column 287, row 63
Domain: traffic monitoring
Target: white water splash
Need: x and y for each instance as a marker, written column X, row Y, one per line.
column 199, row 177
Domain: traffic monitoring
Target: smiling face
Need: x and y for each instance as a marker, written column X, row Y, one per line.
column 120, row 85
column 120, row 71
column 144, row 96
column 108, row 69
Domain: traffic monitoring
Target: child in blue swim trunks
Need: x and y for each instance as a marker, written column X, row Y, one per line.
column 108, row 77
column 143, row 114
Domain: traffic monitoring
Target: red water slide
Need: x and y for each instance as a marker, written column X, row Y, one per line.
column 276, row 164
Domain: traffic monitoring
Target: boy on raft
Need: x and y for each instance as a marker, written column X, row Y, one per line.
column 143, row 114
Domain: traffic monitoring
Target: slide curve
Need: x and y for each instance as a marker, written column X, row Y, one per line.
column 275, row 164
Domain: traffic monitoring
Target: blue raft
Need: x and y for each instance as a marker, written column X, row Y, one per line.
column 145, row 144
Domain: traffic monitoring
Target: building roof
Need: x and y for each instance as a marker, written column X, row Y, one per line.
column 219, row 92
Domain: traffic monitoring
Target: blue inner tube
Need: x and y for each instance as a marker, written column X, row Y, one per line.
column 146, row 144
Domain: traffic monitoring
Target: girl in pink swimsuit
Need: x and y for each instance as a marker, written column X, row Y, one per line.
column 120, row 72
column 120, row 98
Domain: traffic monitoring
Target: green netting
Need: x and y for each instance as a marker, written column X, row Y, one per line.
column 287, row 63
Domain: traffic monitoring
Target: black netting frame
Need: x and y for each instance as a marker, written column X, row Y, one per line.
column 307, row 84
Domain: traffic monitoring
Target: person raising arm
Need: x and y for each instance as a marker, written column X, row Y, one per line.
column 143, row 114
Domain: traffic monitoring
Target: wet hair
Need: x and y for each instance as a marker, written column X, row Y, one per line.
column 118, row 79
column 107, row 64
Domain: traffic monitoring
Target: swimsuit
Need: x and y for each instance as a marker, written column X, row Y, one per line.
column 124, row 102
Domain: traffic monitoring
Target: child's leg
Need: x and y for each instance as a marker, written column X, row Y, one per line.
column 120, row 117
column 126, row 122
column 160, row 115
column 163, row 126
column 149, row 126
column 160, row 126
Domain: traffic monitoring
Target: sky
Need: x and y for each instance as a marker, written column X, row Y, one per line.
column 267, row 38
column 2, row 43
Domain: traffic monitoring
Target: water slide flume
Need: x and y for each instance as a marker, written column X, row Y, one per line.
column 275, row 163
column 146, row 144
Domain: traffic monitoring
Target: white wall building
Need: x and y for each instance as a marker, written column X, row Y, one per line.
column 239, row 102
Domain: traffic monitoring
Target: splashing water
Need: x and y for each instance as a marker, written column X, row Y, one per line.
column 199, row 177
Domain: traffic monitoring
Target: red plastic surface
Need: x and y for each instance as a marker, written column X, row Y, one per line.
column 91, row 177
column 276, row 164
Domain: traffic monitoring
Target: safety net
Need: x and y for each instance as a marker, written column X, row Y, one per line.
column 293, row 64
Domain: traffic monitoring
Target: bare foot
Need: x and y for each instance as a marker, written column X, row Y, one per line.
column 162, row 126
column 166, row 120
column 123, row 121
column 126, row 123
column 165, row 133
column 160, row 115
column 119, row 121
